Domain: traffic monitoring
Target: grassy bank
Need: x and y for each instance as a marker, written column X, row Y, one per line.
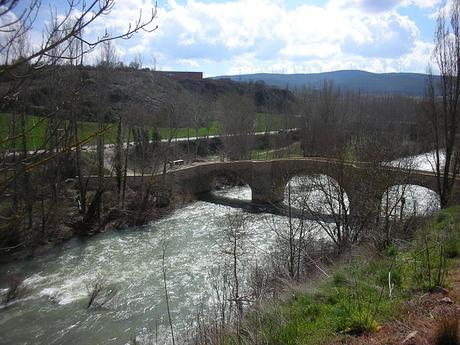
column 362, row 294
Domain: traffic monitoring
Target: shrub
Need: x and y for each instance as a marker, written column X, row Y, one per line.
column 431, row 251
column 99, row 293
column 358, row 322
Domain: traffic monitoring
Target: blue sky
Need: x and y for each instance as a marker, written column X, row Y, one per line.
column 251, row 36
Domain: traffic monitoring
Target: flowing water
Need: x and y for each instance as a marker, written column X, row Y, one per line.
column 54, row 311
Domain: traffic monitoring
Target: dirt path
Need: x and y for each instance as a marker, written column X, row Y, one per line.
column 420, row 318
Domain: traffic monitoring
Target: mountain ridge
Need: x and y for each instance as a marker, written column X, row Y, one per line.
column 405, row 83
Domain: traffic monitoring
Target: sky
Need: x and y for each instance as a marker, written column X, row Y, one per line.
column 273, row 36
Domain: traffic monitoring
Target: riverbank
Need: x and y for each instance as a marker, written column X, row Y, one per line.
column 69, row 222
column 371, row 298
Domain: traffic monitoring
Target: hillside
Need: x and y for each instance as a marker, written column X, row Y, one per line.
column 139, row 96
column 411, row 84
column 267, row 98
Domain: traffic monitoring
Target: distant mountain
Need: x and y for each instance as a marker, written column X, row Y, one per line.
column 411, row 84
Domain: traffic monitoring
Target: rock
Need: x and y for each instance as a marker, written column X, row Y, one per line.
column 410, row 339
column 446, row 300
column 65, row 232
column 43, row 249
column 114, row 214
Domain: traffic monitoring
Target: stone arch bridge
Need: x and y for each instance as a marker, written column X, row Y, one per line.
column 268, row 179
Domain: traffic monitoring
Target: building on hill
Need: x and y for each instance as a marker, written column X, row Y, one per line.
column 181, row 75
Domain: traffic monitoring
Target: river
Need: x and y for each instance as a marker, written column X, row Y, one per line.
column 53, row 311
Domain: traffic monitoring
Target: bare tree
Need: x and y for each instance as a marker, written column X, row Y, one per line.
column 234, row 247
column 137, row 62
column 322, row 123
column 33, row 171
column 168, row 309
column 108, row 57
column 100, row 293
column 199, row 109
column 237, row 124
column 59, row 36
column 293, row 234
column 442, row 112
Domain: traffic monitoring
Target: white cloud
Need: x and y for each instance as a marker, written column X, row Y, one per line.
column 375, row 6
column 423, row 3
column 265, row 35
column 372, row 6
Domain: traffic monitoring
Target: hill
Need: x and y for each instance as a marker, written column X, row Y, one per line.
column 266, row 98
column 140, row 96
column 410, row 84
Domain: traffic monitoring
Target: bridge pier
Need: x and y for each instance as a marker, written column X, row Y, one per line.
column 266, row 188
column 364, row 196
column 267, row 193
column 364, row 209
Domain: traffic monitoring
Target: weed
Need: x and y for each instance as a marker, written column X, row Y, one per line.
column 339, row 279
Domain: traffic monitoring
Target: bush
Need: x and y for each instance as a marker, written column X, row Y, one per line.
column 432, row 246
column 358, row 322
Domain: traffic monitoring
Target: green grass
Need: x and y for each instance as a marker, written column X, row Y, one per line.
column 35, row 135
column 353, row 301
column 269, row 122
column 356, row 299
column 291, row 151
column 37, row 128
column 190, row 132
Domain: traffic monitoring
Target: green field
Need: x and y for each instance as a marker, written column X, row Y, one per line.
column 189, row 132
column 291, row 151
column 269, row 122
column 36, row 128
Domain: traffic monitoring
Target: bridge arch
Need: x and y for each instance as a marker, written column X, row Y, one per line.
column 406, row 198
column 322, row 193
column 219, row 179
